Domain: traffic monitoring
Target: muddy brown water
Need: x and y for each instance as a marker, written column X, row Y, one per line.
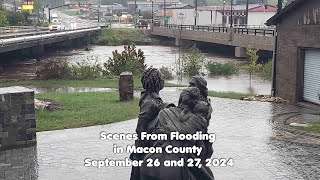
column 156, row 56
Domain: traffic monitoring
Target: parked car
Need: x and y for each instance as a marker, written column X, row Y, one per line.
column 57, row 26
column 156, row 22
column 141, row 23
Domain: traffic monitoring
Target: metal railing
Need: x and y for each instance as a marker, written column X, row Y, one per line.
column 255, row 31
column 238, row 30
column 197, row 28
column 21, row 29
column 44, row 36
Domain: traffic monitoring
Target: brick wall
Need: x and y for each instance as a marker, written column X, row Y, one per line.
column 298, row 31
column 17, row 117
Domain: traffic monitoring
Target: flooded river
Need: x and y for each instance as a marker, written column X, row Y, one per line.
column 156, row 56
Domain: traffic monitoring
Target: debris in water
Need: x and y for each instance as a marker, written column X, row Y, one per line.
column 263, row 98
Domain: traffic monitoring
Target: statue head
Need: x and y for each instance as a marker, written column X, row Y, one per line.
column 201, row 84
column 189, row 97
column 152, row 80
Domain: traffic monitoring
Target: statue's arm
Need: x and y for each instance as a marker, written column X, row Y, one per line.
column 148, row 111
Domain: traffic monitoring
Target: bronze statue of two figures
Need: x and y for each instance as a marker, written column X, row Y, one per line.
column 190, row 117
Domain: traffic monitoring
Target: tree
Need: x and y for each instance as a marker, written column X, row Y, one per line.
column 193, row 62
column 253, row 66
column 129, row 60
column 146, row 15
column 15, row 18
column 3, row 19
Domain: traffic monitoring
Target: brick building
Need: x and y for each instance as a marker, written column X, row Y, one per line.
column 297, row 59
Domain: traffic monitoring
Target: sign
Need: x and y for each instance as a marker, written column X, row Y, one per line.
column 28, row 2
column 27, row 7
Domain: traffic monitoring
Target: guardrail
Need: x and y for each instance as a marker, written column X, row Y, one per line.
column 248, row 31
column 198, row 28
column 21, row 29
column 25, row 39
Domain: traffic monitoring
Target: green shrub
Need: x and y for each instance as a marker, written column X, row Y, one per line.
column 85, row 70
column 118, row 36
column 192, row 62
column 266, row 71
column 64, row 70
column 166, row 72
column 15, row 18
column 54, row 70
column 3, row 19
column 219, row 69
column 129, row 60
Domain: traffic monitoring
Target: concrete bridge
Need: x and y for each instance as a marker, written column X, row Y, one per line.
column 240, row 38
column 36, row 41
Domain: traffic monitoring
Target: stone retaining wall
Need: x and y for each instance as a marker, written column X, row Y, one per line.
column 17, row 117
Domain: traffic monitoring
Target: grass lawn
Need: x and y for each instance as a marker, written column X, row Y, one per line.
column 96, row 83
column 117, row 36
column 84, row 109
column 314, row 128
column 230, row 95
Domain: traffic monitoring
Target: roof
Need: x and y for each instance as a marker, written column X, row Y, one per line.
column 154, row 2
column 251, row 8
column 180, row 6
column 161, row 13
column 276, row 18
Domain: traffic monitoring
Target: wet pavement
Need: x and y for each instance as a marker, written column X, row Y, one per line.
column 245, row 131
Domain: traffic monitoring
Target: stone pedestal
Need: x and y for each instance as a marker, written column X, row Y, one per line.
column 17, row 117
column 126, row 86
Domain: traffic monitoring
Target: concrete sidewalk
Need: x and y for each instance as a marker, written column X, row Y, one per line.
column 244, row 132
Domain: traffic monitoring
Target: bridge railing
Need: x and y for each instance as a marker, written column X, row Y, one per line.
column 238, row 30
column 197, row 28
column 21, row 29
column 41, row 37
column 255, row 31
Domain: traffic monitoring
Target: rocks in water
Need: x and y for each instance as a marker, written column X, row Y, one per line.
column 45, row 104
column 263, row 98
column 88, row 49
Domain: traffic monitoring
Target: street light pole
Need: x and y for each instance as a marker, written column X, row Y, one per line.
column 165, row 12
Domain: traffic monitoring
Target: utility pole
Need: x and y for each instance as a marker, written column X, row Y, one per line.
column 135, row 13
column 247, row 12
column 164, row 12
column 196, row 11
column 279, row 5
column 98, row 15
column 152, row 9
column 15, row 6
column 223, row 14
column 231, row 23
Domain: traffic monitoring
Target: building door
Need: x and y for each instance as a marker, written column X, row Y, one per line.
column 311, row 88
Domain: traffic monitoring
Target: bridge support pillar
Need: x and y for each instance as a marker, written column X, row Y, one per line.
column 37, row 51
column 240, row 52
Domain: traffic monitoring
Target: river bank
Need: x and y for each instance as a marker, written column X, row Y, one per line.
column 124, row 36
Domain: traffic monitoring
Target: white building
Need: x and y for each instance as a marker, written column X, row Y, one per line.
column 258, row 14
column 209, row 16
